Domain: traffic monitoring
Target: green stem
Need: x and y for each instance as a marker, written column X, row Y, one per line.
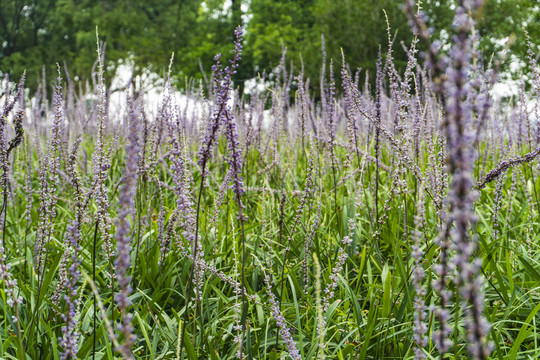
column 195, row 248
column 94, row 281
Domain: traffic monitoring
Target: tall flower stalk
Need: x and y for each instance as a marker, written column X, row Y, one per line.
column 453, row 92
column 13, row 300
column 235, row 160
column 70, row 333
column 418, row 276
column 6, row 147
column 222, row 86
column 49, row 181
column 285, row 332
column 123, row 238
column 460, row 166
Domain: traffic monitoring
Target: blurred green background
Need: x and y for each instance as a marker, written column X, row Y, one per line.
column 39, row 33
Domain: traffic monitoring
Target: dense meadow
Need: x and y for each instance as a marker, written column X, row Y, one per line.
column 393, row 218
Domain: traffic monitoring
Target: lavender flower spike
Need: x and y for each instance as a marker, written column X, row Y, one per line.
column 222, row 87
column 123, row 243
column 235, row 160
column 461, row 164
column 276, row 313
column 9, row 282
column 418, row 275
column 69, row 339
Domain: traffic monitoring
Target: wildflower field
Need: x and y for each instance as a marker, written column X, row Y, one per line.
column 395, row 218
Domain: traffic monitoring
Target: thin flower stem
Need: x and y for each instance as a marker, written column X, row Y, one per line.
column 195, row 248
column 4, row 215
column 94, row 245
column 139, row 211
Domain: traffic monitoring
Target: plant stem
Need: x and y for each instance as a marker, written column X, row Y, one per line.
column 94, row 281
column 139, row 210
column 195, row 247
column 4, row 215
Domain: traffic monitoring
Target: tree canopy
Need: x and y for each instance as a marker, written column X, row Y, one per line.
column 40, row 33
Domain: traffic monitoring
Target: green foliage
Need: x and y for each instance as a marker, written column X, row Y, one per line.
column 34, row 33
column 46, row 32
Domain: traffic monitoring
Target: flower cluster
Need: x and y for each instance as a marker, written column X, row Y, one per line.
column 285, row 332
column 9, row 282
column 69, row 341
column 418, row 275
column 123, row 241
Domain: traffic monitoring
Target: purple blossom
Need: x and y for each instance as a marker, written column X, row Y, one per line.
column 418, row 275
column 69, row 340
column 281, row 323
column 9, row 282
column 49, row 181
column 222, row 79
column 123, row 240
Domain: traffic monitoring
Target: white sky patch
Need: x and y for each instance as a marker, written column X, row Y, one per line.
column 254, row 85
column 152, row 86
column 217, row 13
column 506, row 88
column 227, row 6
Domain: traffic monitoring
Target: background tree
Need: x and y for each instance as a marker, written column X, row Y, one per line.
column 37, row 33
column 41, row 33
